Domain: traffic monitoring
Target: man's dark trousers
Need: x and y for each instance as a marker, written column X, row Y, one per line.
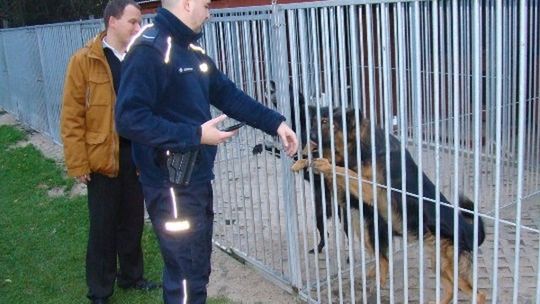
column 186, row 254
column 116, row 207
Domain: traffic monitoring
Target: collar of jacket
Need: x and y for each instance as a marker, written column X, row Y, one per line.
column 180, row 32
column 95, row 46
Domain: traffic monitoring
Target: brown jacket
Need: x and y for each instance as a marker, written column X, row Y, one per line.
column 87, row 120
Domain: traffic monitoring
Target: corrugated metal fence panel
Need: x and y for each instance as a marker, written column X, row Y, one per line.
column 90, row 29
column 5, row 95
column 26, row 78
column 58, row 42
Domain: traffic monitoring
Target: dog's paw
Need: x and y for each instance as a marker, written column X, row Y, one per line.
column 321, row 165
column 257, row 149
column 299, row 165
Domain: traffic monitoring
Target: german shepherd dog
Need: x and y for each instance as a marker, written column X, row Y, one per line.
column 366, row 170
column 318, row 189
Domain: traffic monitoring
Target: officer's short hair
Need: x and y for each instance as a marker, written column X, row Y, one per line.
column 115, row 8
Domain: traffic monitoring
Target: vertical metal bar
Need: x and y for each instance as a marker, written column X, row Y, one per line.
column 230, row 56
column 402, row 100
column 291, row 220
column 236, row 36
column 304, row 65
column 316, row 68
column 326, row 20
column 248, row 46
column 256, row 57
column 490, row 99
column 232, row 183
column 538, row 277
column 530, row 113
column 378, row 66
column 293, row 40
column 373, row 112
column 498, row 146
column 355, row 85
column 536, row 98
column 334, row 92
column 275, row 74
column 341, row 96
column 358, row 156
column 417, row 99
column 426, row 43
column 363, row 64
column 477, row 115
column 344, row 104
column 456, row 102
column 251, row 82
column 514, row 77
column 387, row 123
column 450, row 73
column 258, row 76
column 334, row 102
column 507, row 101
column 522, row 85
column 229, row 233
column 238, row 51
column 436, row 100
column 223, row 49
column 327, row 87
column 267, row 60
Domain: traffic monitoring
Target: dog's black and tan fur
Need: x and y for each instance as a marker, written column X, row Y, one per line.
column 365, row 171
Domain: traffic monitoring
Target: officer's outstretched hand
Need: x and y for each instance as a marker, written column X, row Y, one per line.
column 288, row 139
column 211, row 135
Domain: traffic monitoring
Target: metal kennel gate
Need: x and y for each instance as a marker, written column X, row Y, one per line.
column 456, row 82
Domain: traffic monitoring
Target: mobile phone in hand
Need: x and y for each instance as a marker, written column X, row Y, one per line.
column 233, row 127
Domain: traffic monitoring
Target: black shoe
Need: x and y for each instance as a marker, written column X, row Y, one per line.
column 99, row 301
column 142, row 284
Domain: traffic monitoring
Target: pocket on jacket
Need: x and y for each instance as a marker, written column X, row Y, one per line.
column 99, row 118
column 98, row 148
column 100, row 89
column 93, row 138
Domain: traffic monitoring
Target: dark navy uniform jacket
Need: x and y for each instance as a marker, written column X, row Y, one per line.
column 168, row 84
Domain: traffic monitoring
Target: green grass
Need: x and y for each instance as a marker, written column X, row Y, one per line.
column 43, row 239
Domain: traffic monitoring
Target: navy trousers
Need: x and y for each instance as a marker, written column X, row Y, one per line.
column 116, row 211
column 186, row 254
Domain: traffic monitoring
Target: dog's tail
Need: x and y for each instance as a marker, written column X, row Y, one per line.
column 467, row 225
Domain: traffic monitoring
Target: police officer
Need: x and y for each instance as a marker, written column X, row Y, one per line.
column 168, row 84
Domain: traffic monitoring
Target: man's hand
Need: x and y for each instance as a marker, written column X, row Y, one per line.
column 288, row 139
column 85, row 178
column 211, row 135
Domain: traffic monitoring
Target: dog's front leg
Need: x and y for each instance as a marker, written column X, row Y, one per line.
column 300, row 165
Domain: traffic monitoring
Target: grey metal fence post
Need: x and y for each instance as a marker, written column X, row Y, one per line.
column 281, row 70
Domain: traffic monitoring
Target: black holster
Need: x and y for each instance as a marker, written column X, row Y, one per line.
column 180, row 166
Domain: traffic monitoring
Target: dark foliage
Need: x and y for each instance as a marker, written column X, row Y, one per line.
column 29, row 12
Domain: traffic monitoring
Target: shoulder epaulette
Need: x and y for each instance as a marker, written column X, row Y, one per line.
column 151, row 36
column 146, row 35
column 197, row 48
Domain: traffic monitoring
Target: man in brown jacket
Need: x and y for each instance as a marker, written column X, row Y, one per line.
column 97, row 156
